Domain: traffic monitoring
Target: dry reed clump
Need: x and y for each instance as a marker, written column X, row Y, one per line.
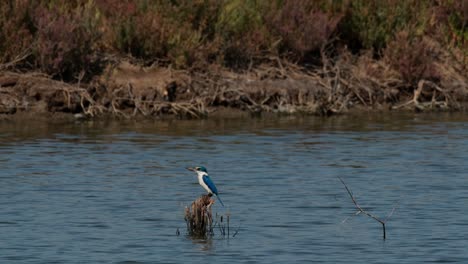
column 199, row 217
column 200, row 221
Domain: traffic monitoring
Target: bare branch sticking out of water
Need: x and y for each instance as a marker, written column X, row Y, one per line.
column 361, row 210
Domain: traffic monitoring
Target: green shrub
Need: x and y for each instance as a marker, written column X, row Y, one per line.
column 174, row 32
column 449, row 23
column 371, row 24
column 241, row 32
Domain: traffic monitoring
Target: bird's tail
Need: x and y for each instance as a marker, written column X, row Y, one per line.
column 219, row 199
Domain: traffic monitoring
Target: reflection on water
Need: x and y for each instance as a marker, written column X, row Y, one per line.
column 202, row 244
column 114, row 192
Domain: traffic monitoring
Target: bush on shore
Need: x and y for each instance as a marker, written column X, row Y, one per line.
column 69, row 40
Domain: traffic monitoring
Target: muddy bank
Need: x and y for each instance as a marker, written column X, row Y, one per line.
column 128, row 91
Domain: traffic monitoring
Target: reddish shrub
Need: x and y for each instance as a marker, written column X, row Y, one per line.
column 15, row 34
column 240, row 52
column 122, row 8
column 413, row 57
column 64, row 45
column 302, row 26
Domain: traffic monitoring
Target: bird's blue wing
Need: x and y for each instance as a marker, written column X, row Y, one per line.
column 210, row 184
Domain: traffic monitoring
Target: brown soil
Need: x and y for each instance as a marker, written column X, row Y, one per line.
column 127, row 90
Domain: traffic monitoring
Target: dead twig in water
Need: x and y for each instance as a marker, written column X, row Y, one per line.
column 361, row 210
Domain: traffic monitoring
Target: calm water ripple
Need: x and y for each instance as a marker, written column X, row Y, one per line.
column 115, row 192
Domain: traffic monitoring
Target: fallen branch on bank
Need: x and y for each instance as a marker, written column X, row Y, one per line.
column 430, row 96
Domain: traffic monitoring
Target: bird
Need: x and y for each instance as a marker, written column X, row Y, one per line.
column 205, row 181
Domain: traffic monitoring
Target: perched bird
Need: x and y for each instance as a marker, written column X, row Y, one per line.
column 205, row 181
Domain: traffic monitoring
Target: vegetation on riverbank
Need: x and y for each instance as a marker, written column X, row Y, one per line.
column 185, row 57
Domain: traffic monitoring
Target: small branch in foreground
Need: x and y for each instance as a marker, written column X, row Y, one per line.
column 361, row 210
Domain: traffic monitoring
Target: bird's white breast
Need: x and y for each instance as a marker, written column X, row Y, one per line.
column 202, row 183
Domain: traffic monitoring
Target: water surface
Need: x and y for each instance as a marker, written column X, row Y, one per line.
column 115, row 192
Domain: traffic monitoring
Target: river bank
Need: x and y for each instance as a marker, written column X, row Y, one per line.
column 126, row 90
column 193, row 59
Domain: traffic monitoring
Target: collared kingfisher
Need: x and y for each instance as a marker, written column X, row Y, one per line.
column 205, row 181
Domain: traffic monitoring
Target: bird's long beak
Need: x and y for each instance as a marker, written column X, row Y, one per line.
column 190, row 169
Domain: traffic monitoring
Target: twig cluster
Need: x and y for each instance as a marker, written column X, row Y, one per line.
column 23, row 92
column 280, row 86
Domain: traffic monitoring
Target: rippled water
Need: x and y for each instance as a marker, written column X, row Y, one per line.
column 115, row 192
